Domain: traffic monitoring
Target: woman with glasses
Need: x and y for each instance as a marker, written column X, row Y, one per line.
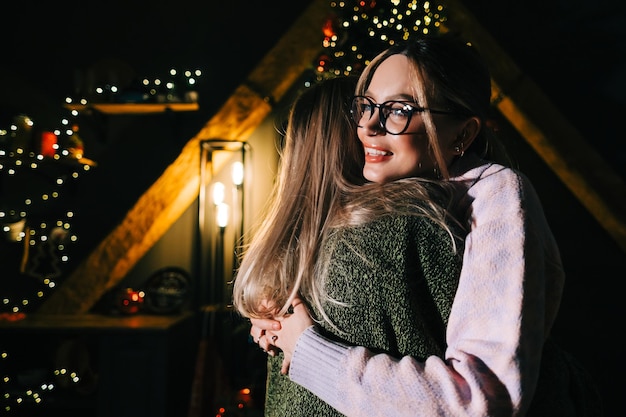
column 378, row 263
column 422, row 110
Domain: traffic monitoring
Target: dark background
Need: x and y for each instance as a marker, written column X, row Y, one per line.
column 575, row 51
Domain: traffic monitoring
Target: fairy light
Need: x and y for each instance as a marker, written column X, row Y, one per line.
column 359, row 30
column 42, row 238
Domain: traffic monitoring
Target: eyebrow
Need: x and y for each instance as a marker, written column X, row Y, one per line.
column 397, row 97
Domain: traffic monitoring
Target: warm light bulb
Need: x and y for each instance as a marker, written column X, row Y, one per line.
column 237, row 173
column 218, row 193
column 222, row 215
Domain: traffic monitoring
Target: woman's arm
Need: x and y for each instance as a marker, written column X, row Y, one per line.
column 509, row 292
column 358, row 382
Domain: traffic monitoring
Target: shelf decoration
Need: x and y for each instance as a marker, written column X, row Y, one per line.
column 177, row 91
column 130, row 301
column 167, row 290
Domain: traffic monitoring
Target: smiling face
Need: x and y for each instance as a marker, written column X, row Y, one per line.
column 389, row 157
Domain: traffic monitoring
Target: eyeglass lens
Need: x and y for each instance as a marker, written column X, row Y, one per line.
column 394, row 116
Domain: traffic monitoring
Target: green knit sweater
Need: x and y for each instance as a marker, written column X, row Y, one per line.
column 398, row 276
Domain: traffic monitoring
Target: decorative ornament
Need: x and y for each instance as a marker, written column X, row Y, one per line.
column 129, row 301
column 167, row 290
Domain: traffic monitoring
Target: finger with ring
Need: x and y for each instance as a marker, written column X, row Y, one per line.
column 263, row 345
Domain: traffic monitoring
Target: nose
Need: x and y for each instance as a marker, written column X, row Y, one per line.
column 374, row 125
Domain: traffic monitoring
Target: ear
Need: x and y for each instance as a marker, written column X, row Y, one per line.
column 467, row 133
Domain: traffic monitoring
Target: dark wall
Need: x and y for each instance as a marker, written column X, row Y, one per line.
column 576, row 52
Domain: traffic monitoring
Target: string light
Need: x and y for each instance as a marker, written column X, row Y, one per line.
column 358, row 30
column 173, row 87
column 46, row 241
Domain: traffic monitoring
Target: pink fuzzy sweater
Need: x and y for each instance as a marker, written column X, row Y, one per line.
column 507, row 300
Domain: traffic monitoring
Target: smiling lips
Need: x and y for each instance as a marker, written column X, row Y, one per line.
column 375, row 155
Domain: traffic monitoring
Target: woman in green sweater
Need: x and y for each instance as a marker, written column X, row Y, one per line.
column 377, row 264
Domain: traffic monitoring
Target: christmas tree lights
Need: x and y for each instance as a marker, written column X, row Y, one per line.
column 359, row 30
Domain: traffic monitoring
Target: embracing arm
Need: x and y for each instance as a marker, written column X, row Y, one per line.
column 508, row 295
column 358, row 382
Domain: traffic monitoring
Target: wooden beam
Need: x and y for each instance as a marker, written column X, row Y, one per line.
column 177, row 188
column 600, row 189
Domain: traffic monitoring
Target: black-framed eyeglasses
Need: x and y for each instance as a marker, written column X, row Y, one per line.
column 394, row 116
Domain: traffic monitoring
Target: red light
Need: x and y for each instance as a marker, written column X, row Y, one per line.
column 48, row 144
column 130, row 301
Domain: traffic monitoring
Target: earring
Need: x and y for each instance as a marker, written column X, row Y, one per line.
column 459, row 149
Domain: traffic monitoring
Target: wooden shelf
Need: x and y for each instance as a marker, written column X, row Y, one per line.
column 96, row 322
column 135, row 108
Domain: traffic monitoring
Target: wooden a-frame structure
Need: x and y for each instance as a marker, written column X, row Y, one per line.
column 561, row 146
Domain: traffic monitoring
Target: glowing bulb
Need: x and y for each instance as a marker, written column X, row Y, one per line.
column 237, row 173
column 218, row 193
column 222, row 215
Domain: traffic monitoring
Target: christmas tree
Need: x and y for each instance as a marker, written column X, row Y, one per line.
column 358, row 30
